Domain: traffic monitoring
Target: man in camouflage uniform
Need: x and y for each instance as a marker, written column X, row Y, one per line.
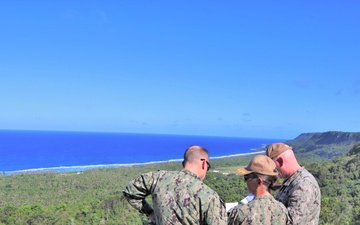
column 260, row 177
column 179, row 197
column 300, row 191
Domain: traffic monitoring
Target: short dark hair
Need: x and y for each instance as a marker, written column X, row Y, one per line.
column 194, row 152
column 271, row 182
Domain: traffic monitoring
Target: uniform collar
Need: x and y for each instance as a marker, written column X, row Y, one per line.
column 190, row 173
column 293, row 177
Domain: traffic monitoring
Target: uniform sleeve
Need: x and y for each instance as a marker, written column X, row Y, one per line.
column 303, row 196
column 216, row 214
column 235, row 216
column 136, row 191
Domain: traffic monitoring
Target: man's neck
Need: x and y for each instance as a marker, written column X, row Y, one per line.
column 294, row 168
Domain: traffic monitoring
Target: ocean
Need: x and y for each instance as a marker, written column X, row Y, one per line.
column 28, row 151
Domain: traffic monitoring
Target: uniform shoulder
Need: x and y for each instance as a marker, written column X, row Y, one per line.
column 307, row 177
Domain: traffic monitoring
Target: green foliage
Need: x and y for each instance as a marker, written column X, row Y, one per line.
column 91, row 197
column 339, row 182
column 95, row 196
column 231, row 187
column 355, row 149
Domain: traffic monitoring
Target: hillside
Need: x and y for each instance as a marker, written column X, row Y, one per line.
column 339, row 181
column 323, row 146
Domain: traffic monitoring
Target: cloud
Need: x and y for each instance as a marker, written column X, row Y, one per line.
column 356, row 85
column 138, row 122
column 339, row 92
column 246, row 117
column 302, row 84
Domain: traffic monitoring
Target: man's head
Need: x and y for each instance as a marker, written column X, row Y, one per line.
column 284, row 158
column 196, row 159
column 276, row 149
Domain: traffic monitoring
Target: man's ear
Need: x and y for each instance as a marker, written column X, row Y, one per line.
column 280, row 161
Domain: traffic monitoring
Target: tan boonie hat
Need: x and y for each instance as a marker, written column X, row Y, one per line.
column 276, row 149
column 259, row 164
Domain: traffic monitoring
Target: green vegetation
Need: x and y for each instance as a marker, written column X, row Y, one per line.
column 91, row 197
column 339, row 182
column 95, row 196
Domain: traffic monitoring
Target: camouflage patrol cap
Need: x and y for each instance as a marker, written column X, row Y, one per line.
column 259, row 164
column 276, row 149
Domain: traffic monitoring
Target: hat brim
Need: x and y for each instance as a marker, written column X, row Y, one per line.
column 243, row 171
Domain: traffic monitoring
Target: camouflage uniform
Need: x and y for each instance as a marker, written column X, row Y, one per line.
column 300, row 193
column 263, row 209
column 179, row 197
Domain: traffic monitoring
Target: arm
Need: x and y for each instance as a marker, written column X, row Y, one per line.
column 217, row 212
column 235, row 216
column 302, row 203
column 136, row 191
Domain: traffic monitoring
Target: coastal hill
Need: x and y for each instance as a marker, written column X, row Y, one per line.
column 323, row 146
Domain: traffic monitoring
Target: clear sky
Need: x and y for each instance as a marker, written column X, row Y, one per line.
column 271, row 69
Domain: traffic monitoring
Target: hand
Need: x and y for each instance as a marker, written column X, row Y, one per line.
column 152, row 218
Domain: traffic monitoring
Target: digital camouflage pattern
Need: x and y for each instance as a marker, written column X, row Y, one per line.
column 265, row 210
column 300, row 193
column 178, row 197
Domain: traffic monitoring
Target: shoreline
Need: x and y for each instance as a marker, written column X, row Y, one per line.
column 66, row 169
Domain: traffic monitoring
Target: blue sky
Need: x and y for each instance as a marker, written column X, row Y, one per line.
column 271, row 69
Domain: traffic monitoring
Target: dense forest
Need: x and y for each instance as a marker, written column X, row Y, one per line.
column 95, row 196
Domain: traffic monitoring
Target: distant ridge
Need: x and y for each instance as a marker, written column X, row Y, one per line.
column 323, row 146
